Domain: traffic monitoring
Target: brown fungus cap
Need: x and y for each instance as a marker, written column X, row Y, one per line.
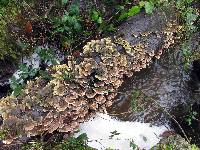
column 91, row 85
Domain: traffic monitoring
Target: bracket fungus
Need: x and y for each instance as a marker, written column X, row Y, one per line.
column 63, row 103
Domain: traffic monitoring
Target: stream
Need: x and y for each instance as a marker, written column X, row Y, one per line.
column 164, row 86
column 148, row 103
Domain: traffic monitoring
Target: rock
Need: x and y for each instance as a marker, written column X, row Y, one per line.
column 175, row 142
column 7, row 68
column 55, row 105
column 146, row 29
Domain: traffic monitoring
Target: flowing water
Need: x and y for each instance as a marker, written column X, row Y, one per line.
column 142, row 110
column 105, row 131
column 164, row 87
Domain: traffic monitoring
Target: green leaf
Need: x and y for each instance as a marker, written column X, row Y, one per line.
column 133, row 145
column 74, row 9
column 123, row 16
column 77, row 26
column 136, row 93
column 45, row 75
column 65, row 17
column 191, row 17
column 23, row 46
column 95, row 15
column 17, row 90
column 186, row 52
column 3, row 133
column 65, row 28
column 33, row 72
column 111, row 27
column 4, row 2
column 133, row 10
column 149, row 7
column 24, row 75
column 194, row 147
column 99, row 20
column 82, row 137
column 120, row 8
column 189, row 120
column 23, row 68
column 64, row 2
column 142, row 3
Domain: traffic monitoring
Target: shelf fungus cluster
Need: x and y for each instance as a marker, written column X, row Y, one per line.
column 77, row 89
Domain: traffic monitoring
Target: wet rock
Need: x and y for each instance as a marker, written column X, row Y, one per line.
column 164, row 84
column 195, row 77
column 175, row 142
column 170, row 91
column 71, row 96
column 187, row 116
column 10, row 147
column 144, row 29
column 7, row 68
column 194, row 43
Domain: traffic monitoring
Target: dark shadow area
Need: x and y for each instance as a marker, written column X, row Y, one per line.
column 188, row 116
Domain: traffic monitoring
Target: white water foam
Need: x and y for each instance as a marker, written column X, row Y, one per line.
column 99, row 130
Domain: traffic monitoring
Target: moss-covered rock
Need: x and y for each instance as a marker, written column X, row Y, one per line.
column 8, row 13
column 174, row 142
column 82, row 86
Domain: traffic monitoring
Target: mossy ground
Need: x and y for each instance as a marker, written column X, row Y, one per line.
column 8, row 13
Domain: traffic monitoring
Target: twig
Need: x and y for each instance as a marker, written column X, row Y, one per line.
column 174, row 121
column 172, row 117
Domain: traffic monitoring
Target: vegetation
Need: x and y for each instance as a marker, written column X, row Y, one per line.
column 189, row 16
column 133, row 146
column 8, row 13
column 138, row 101
column 3, row 133
column 192, row 115
column 132, row 11
column 72, row 143
column 68, row 24
column 17, row 81
column 47, row 55
column 96, row 17
column 67, row 29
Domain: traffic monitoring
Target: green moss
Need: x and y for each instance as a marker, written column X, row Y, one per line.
column 174, row 142
column 138, row 101
column 33, row 146
column 3, row 133
column 71, row 143
column 8, row 12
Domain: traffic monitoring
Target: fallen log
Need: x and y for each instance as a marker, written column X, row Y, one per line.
column 87, row 84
